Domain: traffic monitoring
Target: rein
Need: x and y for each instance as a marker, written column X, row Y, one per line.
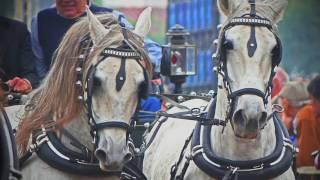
column 194, row 114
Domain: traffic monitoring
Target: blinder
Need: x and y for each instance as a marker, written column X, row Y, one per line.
column 144, row 86
column 276, row 52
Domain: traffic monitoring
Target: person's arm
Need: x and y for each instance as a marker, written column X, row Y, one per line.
column 27, row 58
column 37, row 49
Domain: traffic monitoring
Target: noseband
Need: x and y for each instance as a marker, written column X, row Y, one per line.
column 251, row 19
column 125, row 52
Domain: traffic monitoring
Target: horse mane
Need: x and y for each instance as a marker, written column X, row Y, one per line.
column 56, row 100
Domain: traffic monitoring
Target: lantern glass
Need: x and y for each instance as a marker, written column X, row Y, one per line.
column 182, row 59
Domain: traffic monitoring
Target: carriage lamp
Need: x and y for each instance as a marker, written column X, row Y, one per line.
column 179, row 57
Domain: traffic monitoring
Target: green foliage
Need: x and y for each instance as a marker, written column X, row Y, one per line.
column 98, row 2
column 300, row 35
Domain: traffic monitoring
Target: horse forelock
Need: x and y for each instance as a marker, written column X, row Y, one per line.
column 57, row 97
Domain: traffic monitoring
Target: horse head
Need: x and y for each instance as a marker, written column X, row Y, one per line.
column 117, row 79
column 100, row 72
column 249, row 49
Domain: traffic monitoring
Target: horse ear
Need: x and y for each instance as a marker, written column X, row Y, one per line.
column 279, row 8
column 224, row 6
column 96, row 29
column 143, row 24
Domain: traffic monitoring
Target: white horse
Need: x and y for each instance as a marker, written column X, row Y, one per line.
column 253, row 144
column 83, row 109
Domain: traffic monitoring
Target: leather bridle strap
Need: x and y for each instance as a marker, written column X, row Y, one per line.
column 252, row 42
column 112, row 124
column 121, row 75
column 248, row 91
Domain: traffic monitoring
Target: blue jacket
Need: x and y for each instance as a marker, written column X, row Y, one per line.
column 48, row 28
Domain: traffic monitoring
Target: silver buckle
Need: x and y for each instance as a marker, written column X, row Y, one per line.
column 195, row 111
column 126, row 176
column 42, row 138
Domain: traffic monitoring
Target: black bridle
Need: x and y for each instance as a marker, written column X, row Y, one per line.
column 124, row 52
column 250, row 19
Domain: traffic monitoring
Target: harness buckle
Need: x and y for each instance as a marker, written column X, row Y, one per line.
column 277, row 108
column 40, row 139
column 258, row 167
column 195, row 111
column 234, row 169
column 126, row 176
column 173, row 169
column 94, row 139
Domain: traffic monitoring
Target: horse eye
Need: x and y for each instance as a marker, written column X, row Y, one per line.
column 96, row 81
column 228, row 44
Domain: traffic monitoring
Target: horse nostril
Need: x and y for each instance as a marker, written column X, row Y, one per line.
column 263, row 118
column 101, row 155
column 239, row 116
column 127, row 157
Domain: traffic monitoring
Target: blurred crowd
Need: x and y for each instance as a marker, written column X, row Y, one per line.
column 300, row 99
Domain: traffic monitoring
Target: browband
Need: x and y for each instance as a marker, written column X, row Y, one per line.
column 250, row 21
column 121, row 53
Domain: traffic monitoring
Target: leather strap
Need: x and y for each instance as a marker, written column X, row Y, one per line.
column 112, row 124
column 121, row 75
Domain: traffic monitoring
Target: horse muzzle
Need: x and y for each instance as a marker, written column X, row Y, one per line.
column 111, row 157
column 249, row 117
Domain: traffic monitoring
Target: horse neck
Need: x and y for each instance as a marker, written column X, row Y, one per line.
column 226, row 144
column 79, row 129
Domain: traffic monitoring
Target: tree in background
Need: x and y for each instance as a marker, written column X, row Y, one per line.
column 300, row 34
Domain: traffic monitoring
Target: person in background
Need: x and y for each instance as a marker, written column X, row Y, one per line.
column 17, row 62
column 307, row 125
column 293, row 96
column 50, row 25
column 279, row 80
